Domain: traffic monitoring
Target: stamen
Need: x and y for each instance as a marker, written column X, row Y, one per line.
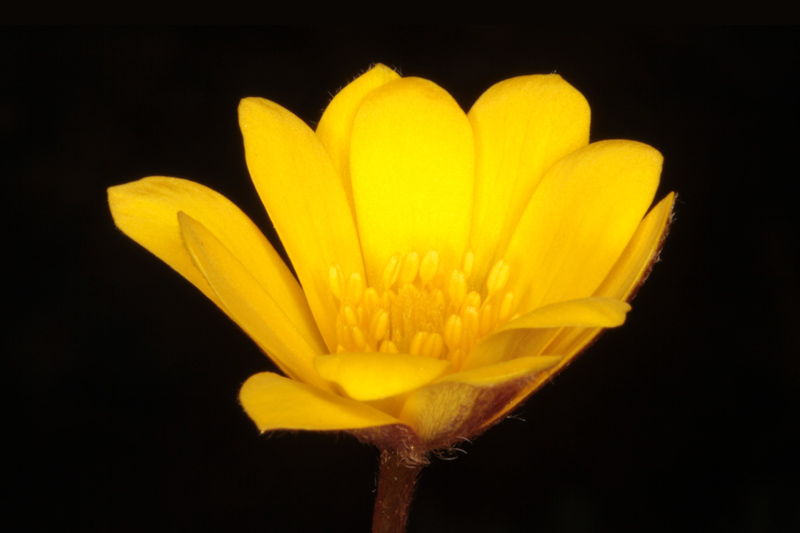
column 415, row 348
column 359, row 341
column 471, row 320
column 336, row 281
column 453, row 331
column 387, row 299
column 457, row 288
column 505, row 307
column 392, row 270
column 456, row 357
column 420, row 310
column 379, row 325
column 487, row 320
column 473, row 299
column 438, row 297
column 469, row 262
column 408, row 272
column 371, row 300
column 498, row 277
column 388, row 347
column 349, row 315
column 429, row 267
column 346, row 337
column 355, row 288
column 360, row 315
column 432, row 345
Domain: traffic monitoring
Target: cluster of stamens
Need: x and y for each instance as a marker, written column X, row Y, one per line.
column 421, row 309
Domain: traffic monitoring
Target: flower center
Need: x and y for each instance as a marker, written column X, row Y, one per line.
column 420, row 309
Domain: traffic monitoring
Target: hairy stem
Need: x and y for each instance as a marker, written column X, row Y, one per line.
column 396, row 483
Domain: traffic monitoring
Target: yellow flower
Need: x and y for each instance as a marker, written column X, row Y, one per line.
column 449, row 264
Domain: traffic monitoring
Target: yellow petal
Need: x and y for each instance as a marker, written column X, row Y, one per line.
column 275, row 402
column 303, row 195
column 522, row 127
column 512, row 342
column 498, row 373
column 579, row 221
column 291, row 345
column 372, row 376
column 147, row 211
column 412, row 169
column 336, row 124
column 633, row 266
column 628, row 273
column 585, row 312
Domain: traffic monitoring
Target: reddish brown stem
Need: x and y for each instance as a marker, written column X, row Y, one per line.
column 396, row 483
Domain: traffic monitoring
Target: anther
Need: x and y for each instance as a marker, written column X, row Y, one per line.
column 359, row 341
column 434, row 316
column 429, row 267
column 387, row 298
column 408, row 272
column 415, row 348
column 346, row 338
column 471, row 320
column 336, row 279
column 355, row 288
column 432, row 345
column 498, row 277
column 468, row 263
column 391, row 270
column 457, row 288
column 438, row 297
column 505, row 307
column 371, row 300
column 388, row 347
column 487, row 320
column 379, row 325
column 473, row 299
column 453, row 331
column 456, row 357
column 349, row 315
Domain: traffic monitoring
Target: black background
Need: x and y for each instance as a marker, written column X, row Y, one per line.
column 122, row 379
